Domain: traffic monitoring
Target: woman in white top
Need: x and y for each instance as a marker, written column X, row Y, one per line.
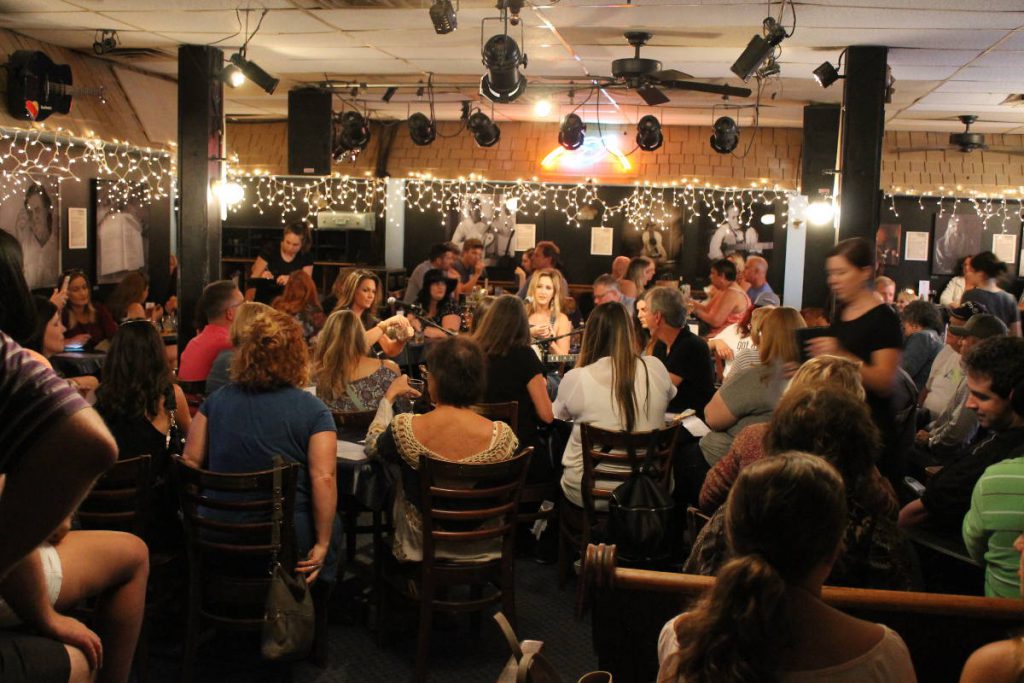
column 612, row 387
column 764, row 618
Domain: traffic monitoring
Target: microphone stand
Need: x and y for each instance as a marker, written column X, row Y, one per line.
column 430, row 323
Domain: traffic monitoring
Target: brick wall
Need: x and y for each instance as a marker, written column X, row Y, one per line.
column 774, row 156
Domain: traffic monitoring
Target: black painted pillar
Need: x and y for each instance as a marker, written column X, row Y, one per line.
column 861, row 141
column 820, row 159
column 200, row 160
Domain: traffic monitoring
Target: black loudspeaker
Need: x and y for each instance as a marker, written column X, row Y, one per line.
column 309, row 132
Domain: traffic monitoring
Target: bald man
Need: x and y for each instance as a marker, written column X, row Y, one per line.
column 619, row 267
column 756, row 275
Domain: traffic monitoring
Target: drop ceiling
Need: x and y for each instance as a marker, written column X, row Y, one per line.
column 948, row 57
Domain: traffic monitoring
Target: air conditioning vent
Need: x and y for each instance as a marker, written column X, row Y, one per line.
column 342, row 220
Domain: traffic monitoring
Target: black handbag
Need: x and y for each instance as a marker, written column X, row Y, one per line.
column 289, row 619
column 640, row 511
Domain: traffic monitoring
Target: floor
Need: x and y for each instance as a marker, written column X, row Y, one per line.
column 545, row 613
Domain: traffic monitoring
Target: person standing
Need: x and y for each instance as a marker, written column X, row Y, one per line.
column 982, row 272
column 277, row 261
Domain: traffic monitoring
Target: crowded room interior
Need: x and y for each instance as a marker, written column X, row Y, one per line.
column 512, row 340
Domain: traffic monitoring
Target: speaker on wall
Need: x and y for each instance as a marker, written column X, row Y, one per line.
column 309, row 132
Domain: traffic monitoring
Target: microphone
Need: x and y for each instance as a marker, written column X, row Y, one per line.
column 528, row 299
column 415, row 307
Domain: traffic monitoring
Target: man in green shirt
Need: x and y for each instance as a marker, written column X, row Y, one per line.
column 996, row 516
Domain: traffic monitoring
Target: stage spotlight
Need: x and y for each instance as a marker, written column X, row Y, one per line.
column 105, row 42
column 542, row 107
column 442, row 13
column 254, row 73
column 233, row 76
column 826, row 74
column 648, row 134
column 354, row 133
column 759, row 49
column 570, row 135
column 726, row 135
column 389, row 93
column 503, row 81
column 421, row 129
column 484, row 131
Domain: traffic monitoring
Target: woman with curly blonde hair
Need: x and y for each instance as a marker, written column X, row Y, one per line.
column 264, row 413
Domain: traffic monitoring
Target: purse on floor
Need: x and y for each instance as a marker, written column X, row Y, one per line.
column 289, row 620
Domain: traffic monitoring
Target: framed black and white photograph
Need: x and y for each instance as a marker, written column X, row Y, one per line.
column 488, row 218
column 887, row 244
column 32, row 214
column 122, row 239
column 956, row 235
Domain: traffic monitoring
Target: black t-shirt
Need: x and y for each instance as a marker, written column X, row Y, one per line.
column 947, row 498
column 690, row 359
column 271, row 253
column 877, row 329
column 1000, row 304
column 507, row 377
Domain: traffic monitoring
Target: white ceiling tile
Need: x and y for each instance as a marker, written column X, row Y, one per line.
column 176, row 5
column 1014, row 42
column 84, row 38
column 327, row 38
column 206, row 22
column 34, row 6
column 811, row 16
column 922, row 73
column 951, row 98
column 973, row 87
column 902, row 56
column 62, row 20
column 990, row 74
column 364, row 19
column 1001, row 58
column 893, row 37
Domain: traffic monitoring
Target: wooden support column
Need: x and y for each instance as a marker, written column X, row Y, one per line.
column 863, row 126
column 200, row 165
column 820, row 159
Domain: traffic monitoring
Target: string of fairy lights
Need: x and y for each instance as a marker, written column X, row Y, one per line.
column 142, row 175
column 135, row 174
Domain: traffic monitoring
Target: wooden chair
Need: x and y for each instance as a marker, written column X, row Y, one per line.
column 120, row 499
column 607, row 450
column 229, row 561
column 195, row 394
column 464, row 505
column 524, row 657
column 940, row 630
column 507, row 412
column 353, row 422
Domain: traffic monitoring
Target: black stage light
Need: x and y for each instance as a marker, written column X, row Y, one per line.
column 826, row 74
column 105, row 42
column 389, row 93
column 421, row 129
column 442, row 13
column 648, row 133
column 484, row 131
column 503, row 81
column 726, row 135
column 570, row 135
column 759, row 49
column 233, row 76
column 354, row 133
column 255, row 73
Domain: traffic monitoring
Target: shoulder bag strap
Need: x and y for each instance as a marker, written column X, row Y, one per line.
column 354, row 396
column 276, row 510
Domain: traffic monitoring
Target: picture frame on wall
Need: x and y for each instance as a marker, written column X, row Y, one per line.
column 32, row 215
column 956, row 235
column 887, row 244
column 488, row 218
column 122, row 231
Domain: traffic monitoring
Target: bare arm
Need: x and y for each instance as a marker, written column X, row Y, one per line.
column 718, row 310
column 562, row 326
column 912, row 514
column 323, row 463
column 181, row 413
column 196, row 444
column 538, row 390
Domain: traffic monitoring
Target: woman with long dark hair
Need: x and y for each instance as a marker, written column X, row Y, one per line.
column 438, row 304
column 48, row 339
column 137, row 393
column 128, row 300
column 17, row 312
column 764, row 618
column 611, row 387
column 359, row 291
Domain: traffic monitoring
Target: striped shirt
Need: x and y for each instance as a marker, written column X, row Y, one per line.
column 994, row 521
column 32, row 399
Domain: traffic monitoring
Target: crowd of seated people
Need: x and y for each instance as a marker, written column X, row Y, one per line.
column 800, row 471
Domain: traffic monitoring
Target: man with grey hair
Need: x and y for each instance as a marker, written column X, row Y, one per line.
column 756, row 275
column 684, row 354
column 606, row 289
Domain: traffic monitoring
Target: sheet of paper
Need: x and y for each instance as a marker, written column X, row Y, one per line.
column 917, row 246
column 350, row 450
column 78, row 233
column 601, row 241
column 1005, row 247
column 924, row 288
column 696, row 426
column 526, row 236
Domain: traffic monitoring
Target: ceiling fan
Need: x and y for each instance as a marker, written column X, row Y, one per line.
column 649, row 80
column 966, row 141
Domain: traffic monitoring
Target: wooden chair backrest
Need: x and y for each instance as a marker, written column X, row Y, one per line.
column 353, row 421
column 507, row 412
column 120, row 499
column 940, row 630
column 228, row 532
column 468, row 503
column 605, row 447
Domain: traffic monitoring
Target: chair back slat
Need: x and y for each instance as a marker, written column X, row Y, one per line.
column 604, row 450
column 469, row 502
column 120, row 499
column 353, row 422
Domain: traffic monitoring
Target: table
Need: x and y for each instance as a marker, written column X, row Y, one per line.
column 78, row 363
column 359, row 477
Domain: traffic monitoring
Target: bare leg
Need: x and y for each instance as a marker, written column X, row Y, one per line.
column 52, row 477
column 80, row 672
column 114, row 566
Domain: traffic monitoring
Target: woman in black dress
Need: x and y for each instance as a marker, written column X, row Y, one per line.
column 278, row 260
